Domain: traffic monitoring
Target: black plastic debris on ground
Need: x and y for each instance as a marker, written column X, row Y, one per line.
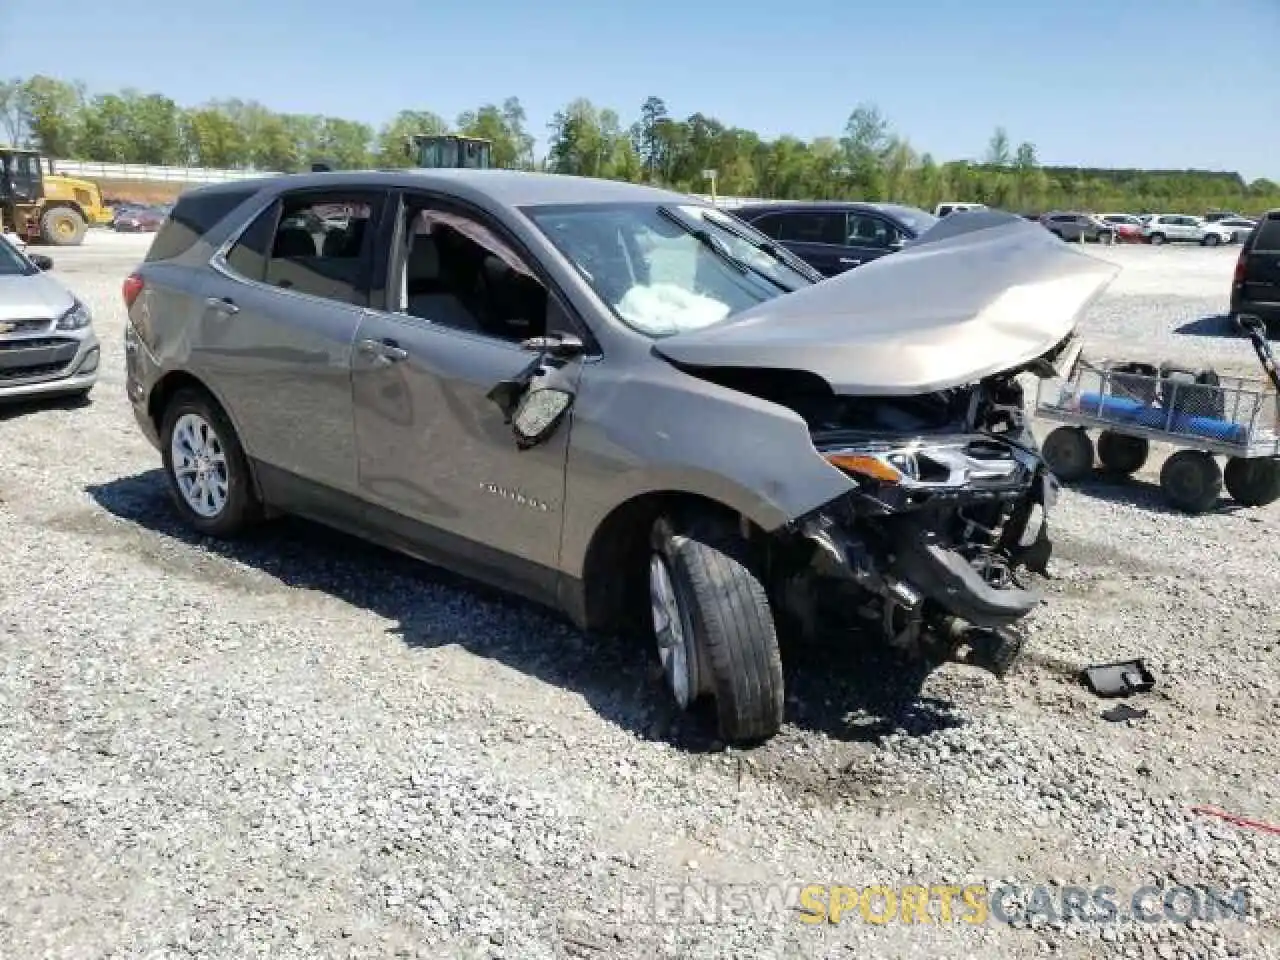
column 1120, row 679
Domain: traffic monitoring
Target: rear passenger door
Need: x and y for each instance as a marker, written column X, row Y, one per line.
column 276, row 331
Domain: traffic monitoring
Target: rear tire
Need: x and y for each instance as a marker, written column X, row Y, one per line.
column 1069, row 453
column 1157, row 239
column 1211, row 240
column 717, row 635
column 62, row 227
column 196, row 433
column 1252, row 483
column 1191, row 480
column 1122, row 454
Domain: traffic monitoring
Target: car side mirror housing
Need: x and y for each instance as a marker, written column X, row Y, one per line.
column 540, row 411
column 561, row 346
column 41, row 261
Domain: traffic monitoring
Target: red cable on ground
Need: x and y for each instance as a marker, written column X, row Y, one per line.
column 1238, row 821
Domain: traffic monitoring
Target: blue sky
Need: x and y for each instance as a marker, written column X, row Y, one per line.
column 1168, row 83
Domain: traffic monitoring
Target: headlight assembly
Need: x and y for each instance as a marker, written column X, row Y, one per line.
column 971, row 462
column 77, row 318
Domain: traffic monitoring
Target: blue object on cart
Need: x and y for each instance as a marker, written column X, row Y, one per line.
column 1124, row 410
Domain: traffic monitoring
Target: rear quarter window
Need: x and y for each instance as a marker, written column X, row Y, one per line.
column 1266, row 235
column 192, row 217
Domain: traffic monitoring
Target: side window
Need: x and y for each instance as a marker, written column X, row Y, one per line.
column 193, row 216
column 323, row 245
column 868, row 231
column 458, row 272
column 248, row 257
column 813, row 228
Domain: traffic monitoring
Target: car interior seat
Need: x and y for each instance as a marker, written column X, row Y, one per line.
column 427, row 294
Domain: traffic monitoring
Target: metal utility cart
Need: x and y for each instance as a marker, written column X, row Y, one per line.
column 1204, row 414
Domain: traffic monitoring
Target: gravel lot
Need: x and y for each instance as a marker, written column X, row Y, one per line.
column 306, row 747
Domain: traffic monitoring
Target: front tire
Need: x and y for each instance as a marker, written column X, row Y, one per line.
column 1157, row 239
column 715, row 631
column 62, row 227
column 1211, row 240
column 208, row 473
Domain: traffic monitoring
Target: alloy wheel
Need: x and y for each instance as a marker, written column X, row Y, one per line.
column 200, row 465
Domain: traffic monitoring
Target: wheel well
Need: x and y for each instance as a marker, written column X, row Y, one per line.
column 165, row 390
column 618, row 550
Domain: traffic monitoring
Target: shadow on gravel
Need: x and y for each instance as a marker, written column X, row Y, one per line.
column 1213, row 325
column 12, row 409
column 834, row 689
column 1145, row 494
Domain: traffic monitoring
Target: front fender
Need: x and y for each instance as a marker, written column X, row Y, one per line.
column 663, row 431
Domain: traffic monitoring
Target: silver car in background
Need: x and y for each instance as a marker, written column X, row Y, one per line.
column 47, row 344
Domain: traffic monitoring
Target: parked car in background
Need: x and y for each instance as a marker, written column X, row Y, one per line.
column 1127, row 226
column 1240, row 227
column 1255, row 287
column 621, row 402
column 1074, row 226
column 1216, row 216
column 139, row 220
column 47, row 344
column 838, row 236
column 1182, row 228
column 951, row 206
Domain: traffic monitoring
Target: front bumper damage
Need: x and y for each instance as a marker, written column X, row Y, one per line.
column 933, row 561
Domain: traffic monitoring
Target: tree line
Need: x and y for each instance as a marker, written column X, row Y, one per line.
column 869, row 160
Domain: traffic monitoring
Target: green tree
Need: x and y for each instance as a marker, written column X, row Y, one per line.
column 50, row 109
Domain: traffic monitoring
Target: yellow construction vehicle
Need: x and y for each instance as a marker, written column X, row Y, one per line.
column 46, row 207
column 446, row 151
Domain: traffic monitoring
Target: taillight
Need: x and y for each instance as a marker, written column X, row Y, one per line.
column 130, row 289
column 1240, row 262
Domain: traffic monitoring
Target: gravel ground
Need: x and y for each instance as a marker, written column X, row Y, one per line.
column 306, row 747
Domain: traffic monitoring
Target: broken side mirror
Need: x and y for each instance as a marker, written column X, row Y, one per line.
column 540, row 411
column 561, row 346
column 41, row 261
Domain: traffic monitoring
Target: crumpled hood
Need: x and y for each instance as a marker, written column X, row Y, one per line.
column 980, row 293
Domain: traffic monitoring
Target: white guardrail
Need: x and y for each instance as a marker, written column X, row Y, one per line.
column 93, row 170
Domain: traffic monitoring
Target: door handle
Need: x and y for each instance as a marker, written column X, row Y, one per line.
column 385, row 349
column 850, row 261
column 222, row 305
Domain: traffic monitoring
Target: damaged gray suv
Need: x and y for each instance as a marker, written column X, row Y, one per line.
column 620, row 402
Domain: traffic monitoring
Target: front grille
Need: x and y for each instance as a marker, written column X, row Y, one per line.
column 35, row 357
column 31, row 373
column 25, row 325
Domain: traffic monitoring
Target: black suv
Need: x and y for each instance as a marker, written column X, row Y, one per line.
column 1256, row 286
column 835, row 237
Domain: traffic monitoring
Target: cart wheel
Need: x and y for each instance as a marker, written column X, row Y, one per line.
column 1121, row 453
column 1191, row 480
column 1252, row 483
column 1069, row 453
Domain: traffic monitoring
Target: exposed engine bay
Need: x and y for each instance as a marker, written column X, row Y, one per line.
column 950, row 505
column 948, row 511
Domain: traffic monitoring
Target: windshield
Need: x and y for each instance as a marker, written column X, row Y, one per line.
column 659, row 276
column 12, row 263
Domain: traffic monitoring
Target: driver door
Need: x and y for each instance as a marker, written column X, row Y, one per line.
column 433, row 448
